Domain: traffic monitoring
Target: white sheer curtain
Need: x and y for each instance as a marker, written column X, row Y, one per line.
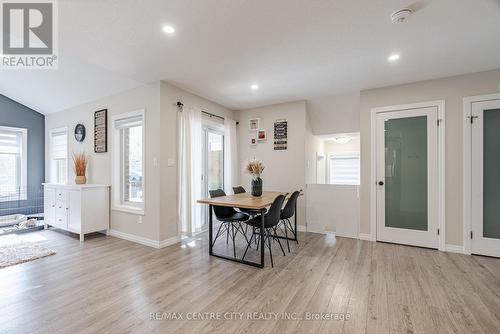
column 190, row 170
column 230, row 156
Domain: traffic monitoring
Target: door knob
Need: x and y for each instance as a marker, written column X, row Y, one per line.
column 380, row 183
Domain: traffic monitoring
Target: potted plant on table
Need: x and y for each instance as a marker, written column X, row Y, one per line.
column 80, row 161
column 255, row 168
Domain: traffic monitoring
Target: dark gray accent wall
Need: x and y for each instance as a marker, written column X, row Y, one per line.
column 17, row 115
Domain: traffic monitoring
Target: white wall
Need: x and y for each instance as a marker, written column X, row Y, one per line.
column 334, row 114
column 333, row 208
column 285, row 170
column 452, row 90
column 145, row 97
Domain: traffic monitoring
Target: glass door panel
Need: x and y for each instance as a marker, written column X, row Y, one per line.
column 406, row 173
column 491, row 174
column 215, row 161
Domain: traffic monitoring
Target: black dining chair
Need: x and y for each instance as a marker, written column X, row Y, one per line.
column 229, row 218
column 287, row 213
column 239, row 190
column 271, row 221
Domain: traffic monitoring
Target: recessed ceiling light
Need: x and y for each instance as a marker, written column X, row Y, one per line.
column 393, row 57
column 168, row 29
column 254, row 87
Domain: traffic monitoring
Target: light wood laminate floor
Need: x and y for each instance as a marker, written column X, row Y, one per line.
column 108, row 285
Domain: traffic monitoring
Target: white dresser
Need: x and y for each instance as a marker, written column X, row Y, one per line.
column 77, row 208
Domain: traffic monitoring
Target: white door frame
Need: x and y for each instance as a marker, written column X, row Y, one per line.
column 467, row 167
column 440, row 105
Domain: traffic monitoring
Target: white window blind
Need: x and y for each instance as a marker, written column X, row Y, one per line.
column 344, row 170
column 10, row 141
column 59, row 147
column 13, row 163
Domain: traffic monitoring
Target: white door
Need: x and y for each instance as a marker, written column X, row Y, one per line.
column 485, row 180
column 407, row 177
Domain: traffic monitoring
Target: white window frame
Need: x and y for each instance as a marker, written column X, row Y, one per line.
column 53, row 163
column 343, row 156
column 24, row 163
column 116, row 169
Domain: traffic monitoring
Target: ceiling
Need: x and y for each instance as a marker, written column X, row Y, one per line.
column 293, row 49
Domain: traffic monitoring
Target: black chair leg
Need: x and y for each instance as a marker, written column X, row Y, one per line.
column 244, row 232
column 248, row 246
column 279, row 242
column 234, row 239
column 286, row 236
column 217, row 235
column 294, row 232
column 270, row 250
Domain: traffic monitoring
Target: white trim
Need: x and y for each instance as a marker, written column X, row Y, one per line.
column 145, row 241
column 135, row 238
column 115, row 159
column 441, row 106
column 23, row 195
column 128, row 209
column 455, row 249
column 52, row 172
column 467, row 168
column 302, row 228
column 366, row 236
column 169, row 242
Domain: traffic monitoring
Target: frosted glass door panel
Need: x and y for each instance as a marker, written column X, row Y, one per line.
column 406, row 173
column 491, row 170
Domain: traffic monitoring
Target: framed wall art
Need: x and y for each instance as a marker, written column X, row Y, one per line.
column 101, row 131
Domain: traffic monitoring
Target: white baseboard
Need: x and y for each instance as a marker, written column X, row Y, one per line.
column 455, row 249
column 144, row 241
column 169, row 242
column 302, row 228
column 365, row 236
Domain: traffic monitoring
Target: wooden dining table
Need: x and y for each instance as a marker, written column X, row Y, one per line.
column 245, row 201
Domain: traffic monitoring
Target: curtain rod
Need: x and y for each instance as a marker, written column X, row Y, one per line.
column 180, row 105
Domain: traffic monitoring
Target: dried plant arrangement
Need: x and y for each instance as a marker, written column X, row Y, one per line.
column 254, row 168
column 80, row 162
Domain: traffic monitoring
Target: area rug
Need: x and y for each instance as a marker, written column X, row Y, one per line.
column 15, row 250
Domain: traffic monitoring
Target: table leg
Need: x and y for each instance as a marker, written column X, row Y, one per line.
column 210, row 237
column 262, row 246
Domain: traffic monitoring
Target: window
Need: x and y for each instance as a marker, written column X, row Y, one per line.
column 59, row 155
column 128, row 161
column 13, row 163
column 344, row 170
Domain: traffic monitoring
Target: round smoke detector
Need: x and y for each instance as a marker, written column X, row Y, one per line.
column 401, row 15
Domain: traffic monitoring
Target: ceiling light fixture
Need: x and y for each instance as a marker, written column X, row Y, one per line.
column 168, row 29
column 254, row 87
column 342, row 140
column 393, row 58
